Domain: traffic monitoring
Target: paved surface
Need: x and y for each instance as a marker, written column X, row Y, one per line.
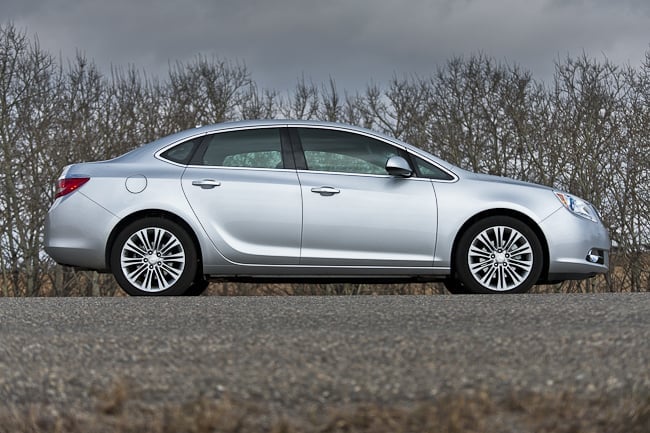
column 296, row 351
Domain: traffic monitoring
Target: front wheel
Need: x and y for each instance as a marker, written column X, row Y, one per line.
column 455, row 287
column 499, row 254
column 154, row 256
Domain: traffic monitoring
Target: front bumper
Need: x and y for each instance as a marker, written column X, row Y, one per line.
column 578, row 248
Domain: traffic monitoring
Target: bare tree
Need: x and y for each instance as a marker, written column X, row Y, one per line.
column 256, row 104
column 483, row 115
column 28, row 79
column 205, row 91
column 303, row 103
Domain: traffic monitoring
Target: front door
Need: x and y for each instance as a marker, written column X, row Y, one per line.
column 354, row 213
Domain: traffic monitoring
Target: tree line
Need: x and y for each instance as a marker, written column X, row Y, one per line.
column 587, row 131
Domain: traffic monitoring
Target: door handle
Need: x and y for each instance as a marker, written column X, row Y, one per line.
column 206, row 183
column 325, row 190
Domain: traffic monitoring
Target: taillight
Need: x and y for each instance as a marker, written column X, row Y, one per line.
column 66, row 186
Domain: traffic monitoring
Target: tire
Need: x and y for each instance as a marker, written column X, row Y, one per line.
column 498, row 254
column 455, row 287
column 154, row 257
column 197, row 288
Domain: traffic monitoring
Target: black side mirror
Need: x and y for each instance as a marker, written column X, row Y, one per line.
column 398, row 166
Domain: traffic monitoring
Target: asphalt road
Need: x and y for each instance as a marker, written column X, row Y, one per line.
column 289, row 352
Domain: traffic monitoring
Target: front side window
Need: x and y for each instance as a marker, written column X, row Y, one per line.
column 256, row 148
column 344, row 152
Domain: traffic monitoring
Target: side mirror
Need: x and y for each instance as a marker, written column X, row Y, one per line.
column 398, row 166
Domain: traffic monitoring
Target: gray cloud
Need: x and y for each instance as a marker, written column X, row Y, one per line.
column 353, row 42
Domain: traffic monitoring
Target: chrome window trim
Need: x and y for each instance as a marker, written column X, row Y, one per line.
column 455, row 178
column 223, row 167
column 344, row 173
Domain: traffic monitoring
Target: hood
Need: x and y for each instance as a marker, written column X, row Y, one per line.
column 502, row 180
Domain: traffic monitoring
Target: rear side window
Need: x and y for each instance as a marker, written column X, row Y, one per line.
column 181, row 153
column 257, row 148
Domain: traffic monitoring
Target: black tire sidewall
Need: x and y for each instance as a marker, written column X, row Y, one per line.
column 455, row 287
column 198, row 288
column 461, row 263
column 186, row 279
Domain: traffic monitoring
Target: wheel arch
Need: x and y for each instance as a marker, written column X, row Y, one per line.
column 159, row 214
column 509, row 213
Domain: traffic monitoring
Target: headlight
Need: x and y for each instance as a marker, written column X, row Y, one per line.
column 578, row 206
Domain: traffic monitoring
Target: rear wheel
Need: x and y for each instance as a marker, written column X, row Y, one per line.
column 154, row 256
column 499, row 254
column 197, row 289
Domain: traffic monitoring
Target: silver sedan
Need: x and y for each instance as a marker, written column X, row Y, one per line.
column 312, row 201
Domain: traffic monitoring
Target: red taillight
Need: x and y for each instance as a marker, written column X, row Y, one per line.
column 66, row 186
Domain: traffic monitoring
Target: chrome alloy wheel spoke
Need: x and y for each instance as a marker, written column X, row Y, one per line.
column 522, row 250
column 500, row 258
column 152, row 259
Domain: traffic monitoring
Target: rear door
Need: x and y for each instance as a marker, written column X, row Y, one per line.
column 244, row 190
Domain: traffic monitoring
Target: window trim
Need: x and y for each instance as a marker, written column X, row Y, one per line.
column 293, row 156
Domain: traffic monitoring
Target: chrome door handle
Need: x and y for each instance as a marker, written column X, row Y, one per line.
column 325, row 190
column 206, row 183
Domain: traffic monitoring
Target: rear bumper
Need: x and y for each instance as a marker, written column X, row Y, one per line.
column 76, row 232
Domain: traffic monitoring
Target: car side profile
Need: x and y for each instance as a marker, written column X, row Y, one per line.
column 285, row 200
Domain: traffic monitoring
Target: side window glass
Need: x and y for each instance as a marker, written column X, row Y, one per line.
column 181, row 153
column 256, row 148
column 430, row 171
column 344, row 152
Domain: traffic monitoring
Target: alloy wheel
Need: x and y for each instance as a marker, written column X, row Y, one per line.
column 500, row 258
column 152, row 259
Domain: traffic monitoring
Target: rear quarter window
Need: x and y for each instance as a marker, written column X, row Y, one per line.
column 181, row 153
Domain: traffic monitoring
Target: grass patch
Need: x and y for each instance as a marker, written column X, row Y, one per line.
column 118, row 411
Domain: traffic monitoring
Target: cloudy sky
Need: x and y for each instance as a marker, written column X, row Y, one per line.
column 353, row 41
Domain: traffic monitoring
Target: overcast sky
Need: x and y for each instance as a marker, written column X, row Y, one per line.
column 353, row 41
